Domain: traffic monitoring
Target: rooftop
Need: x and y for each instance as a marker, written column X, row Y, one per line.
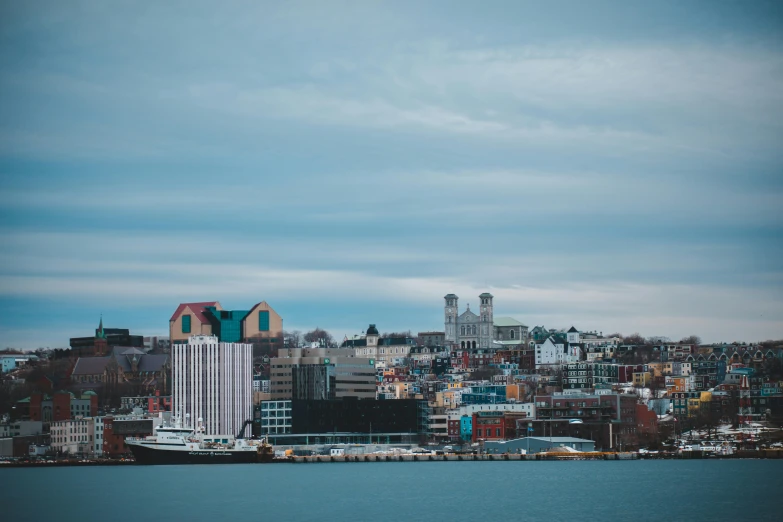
column 197, row 309
column 558, row 440
column 507, row 321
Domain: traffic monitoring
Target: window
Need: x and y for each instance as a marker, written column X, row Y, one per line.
column 186, row 323
column 263, row 321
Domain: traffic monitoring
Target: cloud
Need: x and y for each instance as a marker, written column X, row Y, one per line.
column 718, row 313
column 366, row 161
column 641, row 98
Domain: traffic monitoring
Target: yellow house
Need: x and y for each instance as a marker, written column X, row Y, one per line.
column 401, row 389
column 641, row 378
column 450, row 398
column 515, row 392
column 694, row 407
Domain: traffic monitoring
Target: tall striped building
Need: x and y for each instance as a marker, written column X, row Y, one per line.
column 213, row 381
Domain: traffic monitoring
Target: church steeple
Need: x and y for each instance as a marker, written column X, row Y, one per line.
column 451, row 310
column 100, row 333
column 487, row 319
column 101, row 344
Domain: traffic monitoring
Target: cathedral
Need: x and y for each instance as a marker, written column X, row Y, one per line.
column 468, row 329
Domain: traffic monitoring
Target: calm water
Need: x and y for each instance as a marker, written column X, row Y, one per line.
column 475, row 491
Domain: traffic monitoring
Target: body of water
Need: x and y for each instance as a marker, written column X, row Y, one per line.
column 711, row 490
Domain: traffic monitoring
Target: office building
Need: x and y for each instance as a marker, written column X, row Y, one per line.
column 104, row 338
column 320, row 374
column 212, row 380
column 345, row 420
column 260, row 325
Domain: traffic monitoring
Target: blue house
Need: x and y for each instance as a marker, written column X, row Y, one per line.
column 466, row 428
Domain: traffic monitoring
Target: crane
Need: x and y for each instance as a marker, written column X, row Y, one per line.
column 244, row 425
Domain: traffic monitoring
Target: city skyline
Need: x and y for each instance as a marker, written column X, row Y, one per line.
column 611, row 169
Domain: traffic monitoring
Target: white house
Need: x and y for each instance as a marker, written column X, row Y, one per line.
column 558, row 350
column 74, row 436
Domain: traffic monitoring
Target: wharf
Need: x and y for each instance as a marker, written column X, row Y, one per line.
column 596, row 455
column 457, row 458
column 449, row 457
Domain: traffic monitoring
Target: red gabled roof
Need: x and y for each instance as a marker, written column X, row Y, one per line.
column 197, row 308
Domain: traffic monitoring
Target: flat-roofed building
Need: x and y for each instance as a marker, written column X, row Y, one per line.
column 321, row 373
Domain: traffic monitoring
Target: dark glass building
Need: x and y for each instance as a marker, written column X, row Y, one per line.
column 113, row 336
column 227, row 324
column 351, row 415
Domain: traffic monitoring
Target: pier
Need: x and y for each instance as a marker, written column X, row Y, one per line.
column 309, row 459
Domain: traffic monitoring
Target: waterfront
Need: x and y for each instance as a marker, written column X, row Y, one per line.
column 585, row 490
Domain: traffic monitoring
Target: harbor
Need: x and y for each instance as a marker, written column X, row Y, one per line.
column 428, row 457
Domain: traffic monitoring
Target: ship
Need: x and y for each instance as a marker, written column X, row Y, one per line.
column 183, row 445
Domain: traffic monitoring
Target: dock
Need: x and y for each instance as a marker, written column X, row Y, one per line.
column 311, row 459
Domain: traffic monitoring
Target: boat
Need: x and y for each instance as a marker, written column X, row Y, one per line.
column 183, row 445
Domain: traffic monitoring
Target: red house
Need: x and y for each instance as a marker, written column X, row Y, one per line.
column 495, row 425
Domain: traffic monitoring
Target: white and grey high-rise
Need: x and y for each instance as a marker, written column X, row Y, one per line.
column 212, row 381
column 469, row 330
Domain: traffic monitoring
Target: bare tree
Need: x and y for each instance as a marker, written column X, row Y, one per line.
column 484, row 374
column 294, row 338
column 708, row 420
column 397, row 334
column 691, row 339
column 657, row 384
column 773, row 368
column 634, row 339
column 318, row 334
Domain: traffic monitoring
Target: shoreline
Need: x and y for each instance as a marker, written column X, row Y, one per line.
column 608, row 456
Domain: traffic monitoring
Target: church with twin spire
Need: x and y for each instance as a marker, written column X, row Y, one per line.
column 468, row 329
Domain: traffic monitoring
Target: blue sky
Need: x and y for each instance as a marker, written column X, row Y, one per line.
column 612, row 165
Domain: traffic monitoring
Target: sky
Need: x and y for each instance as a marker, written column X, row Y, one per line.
column 615, row 166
